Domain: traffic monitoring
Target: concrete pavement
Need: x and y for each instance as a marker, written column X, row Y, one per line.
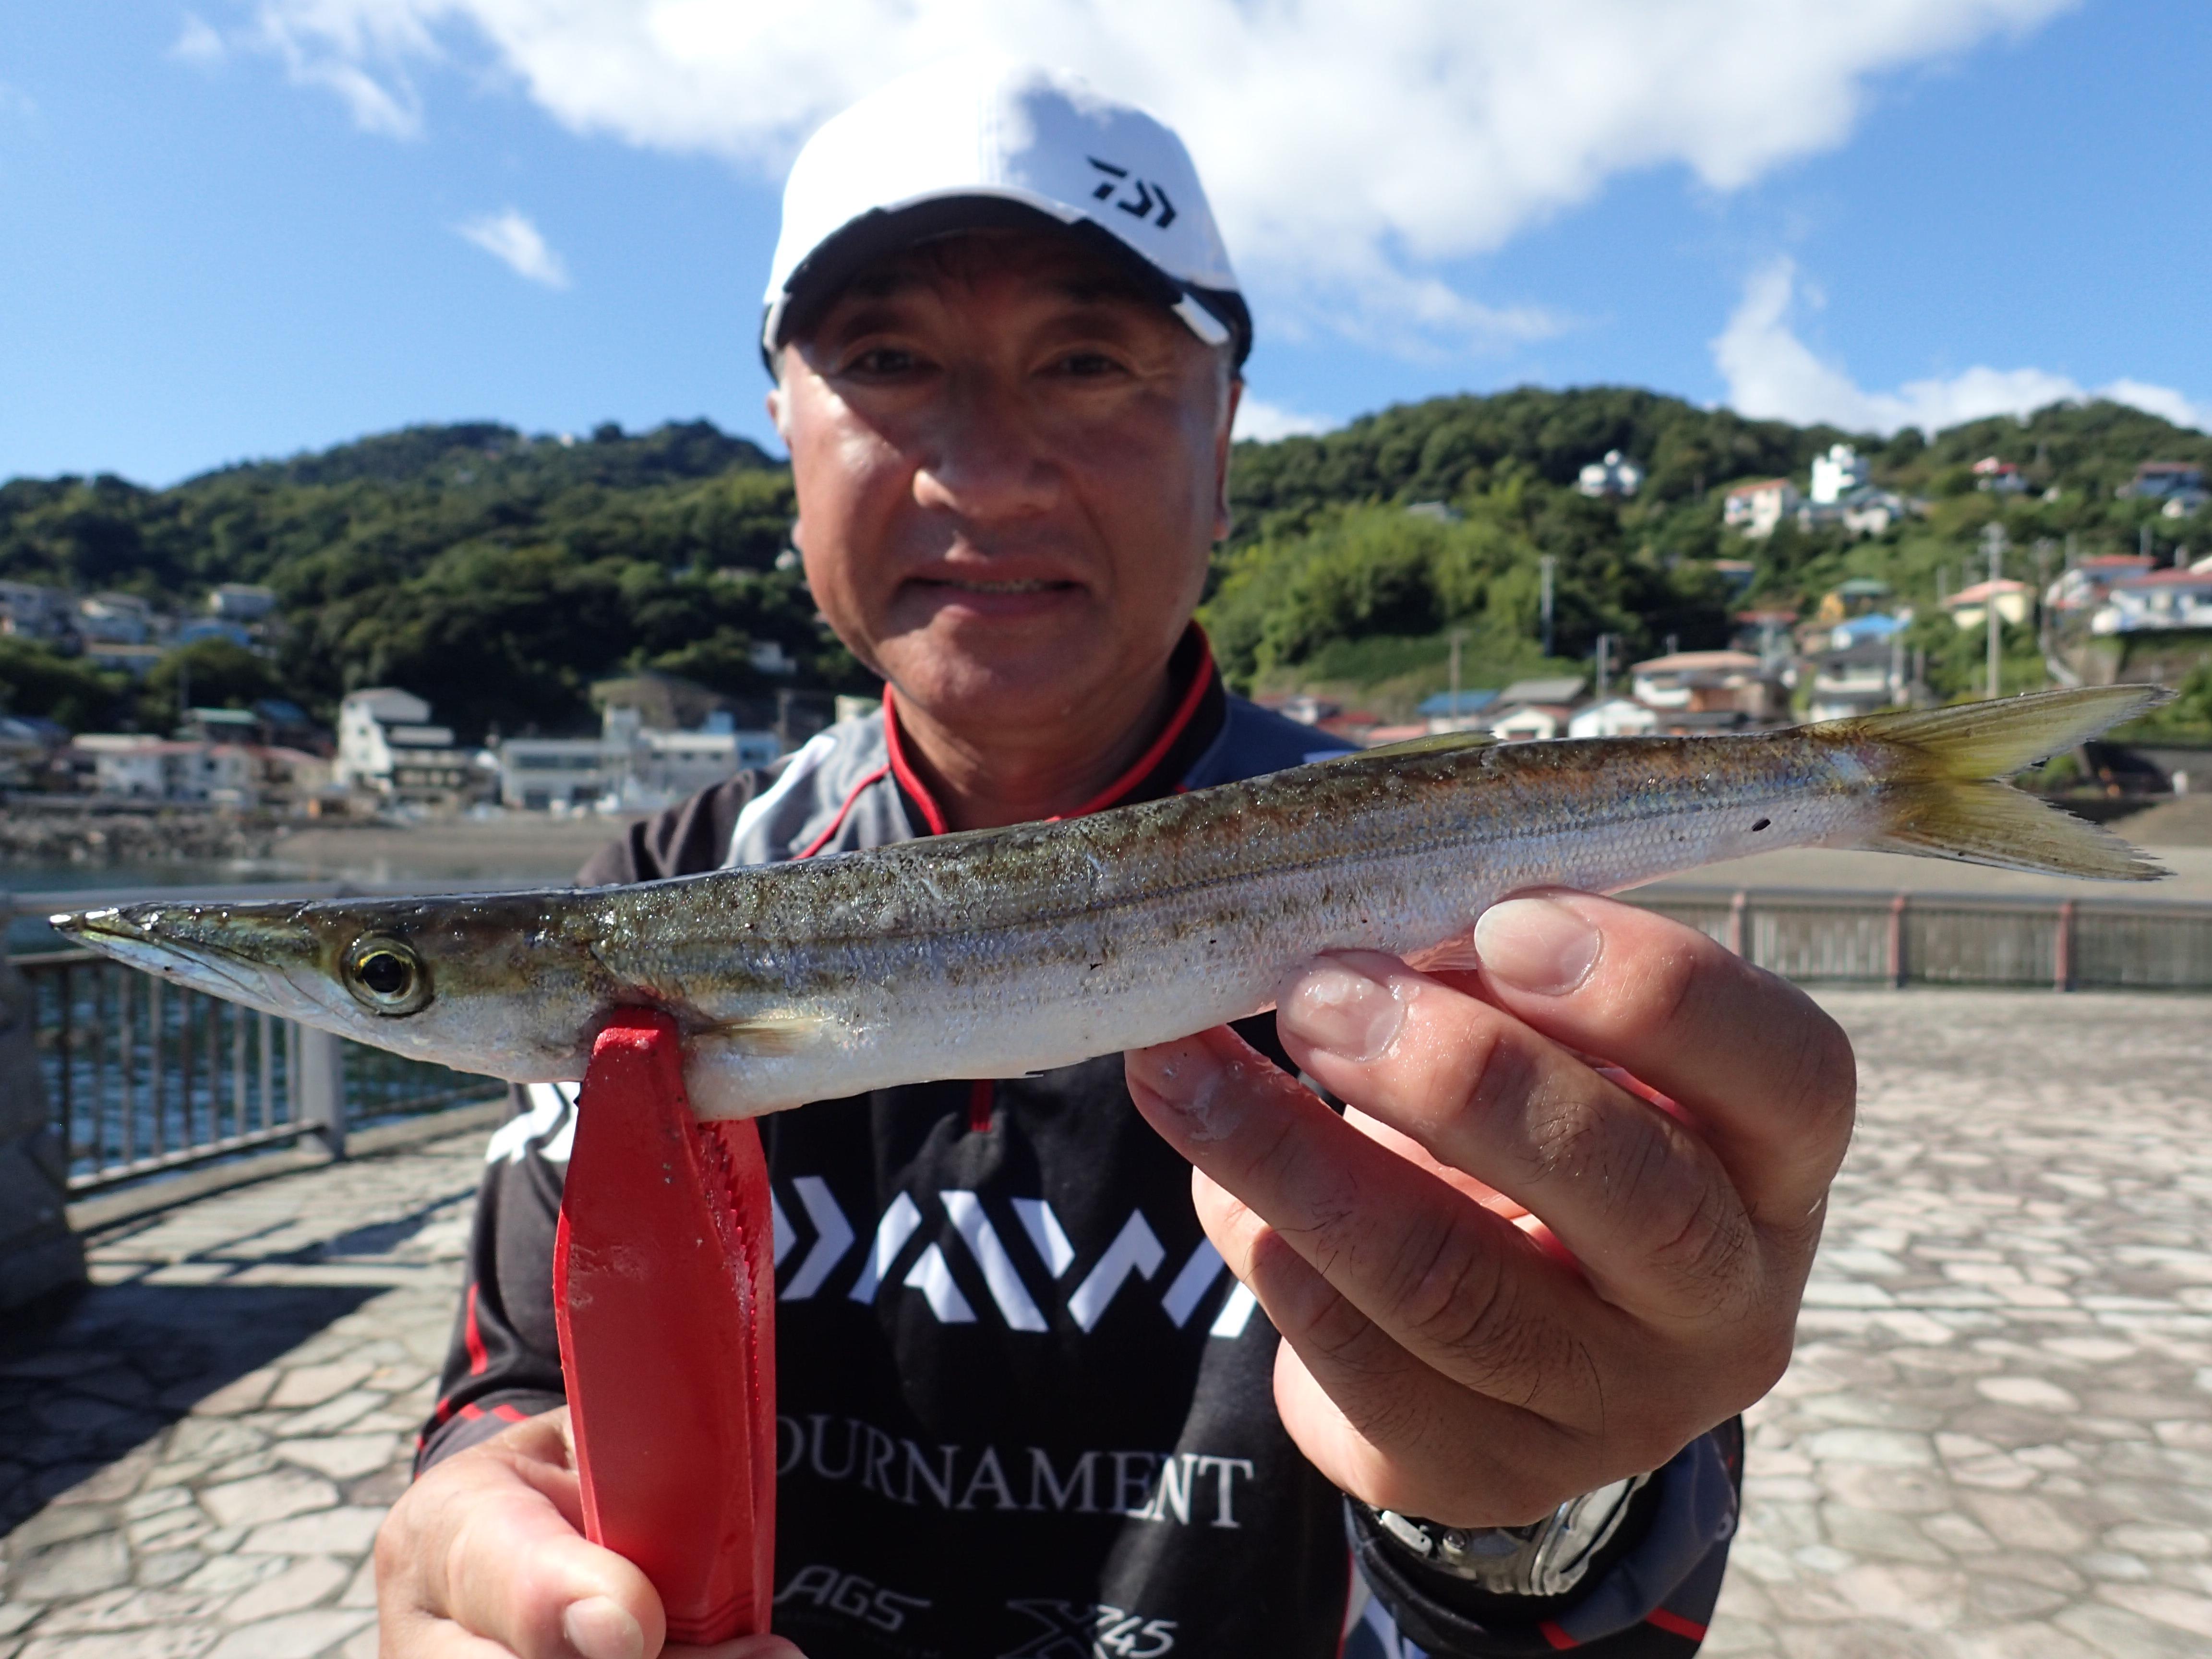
column 1996, row 1441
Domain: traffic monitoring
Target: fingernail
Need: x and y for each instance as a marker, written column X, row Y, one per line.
column 600, row 1627
column 1337, row 1008
column 1196, row 1083
column 1536, row 945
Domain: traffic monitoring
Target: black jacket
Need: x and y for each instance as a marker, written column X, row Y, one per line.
column 1023, row 1410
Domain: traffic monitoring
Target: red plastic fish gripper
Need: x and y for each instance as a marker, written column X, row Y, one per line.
column 664, row 1291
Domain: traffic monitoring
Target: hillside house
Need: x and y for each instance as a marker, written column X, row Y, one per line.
column 1860, row 672
column 1758, row 507
column 241, row 602
column 387, row 747
column 1703, row 682
column 115, row 619
column 32, row 612
column 1837, row 473
column 1536, row 710
column 2085, row 587
column 1970, row 606
column 2161, row 599
column 1998, row 477
column 2158, row 481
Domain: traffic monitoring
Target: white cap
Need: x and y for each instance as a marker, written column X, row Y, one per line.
column 982, row 142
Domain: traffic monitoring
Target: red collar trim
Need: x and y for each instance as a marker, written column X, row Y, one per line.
column 1186, row 710
column 903, row 773
column 1141, row 768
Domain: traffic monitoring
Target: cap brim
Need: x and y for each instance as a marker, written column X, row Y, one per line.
column 1217, row 316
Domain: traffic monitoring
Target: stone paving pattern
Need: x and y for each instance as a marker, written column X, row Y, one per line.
column 1996, row 1440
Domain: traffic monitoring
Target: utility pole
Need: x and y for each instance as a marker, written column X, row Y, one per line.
column 2044, row 547
column 1604, row 641
column 1993, row 544
column 1458, row 638
column 1545, row 566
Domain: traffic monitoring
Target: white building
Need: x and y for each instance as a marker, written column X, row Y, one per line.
column 33, row 612
column 1528, row 723
column 129, row 766
column 1837, row 473
column 1756, row 508
column 1856, row 679
column 386, row 745
column 2162, row 600
column 628, row 766
column 1615, row 476
column 1616, row 717
column 538, row 773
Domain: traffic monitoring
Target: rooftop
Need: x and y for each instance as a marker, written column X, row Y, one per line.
column 1695, row 662
column 1552, row 688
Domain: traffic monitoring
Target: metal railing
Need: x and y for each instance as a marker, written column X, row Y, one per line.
column 1883, row 938
column 144, row 1077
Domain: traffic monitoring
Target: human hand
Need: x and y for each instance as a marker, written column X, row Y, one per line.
column 485, row 1556
column 1502, row 1279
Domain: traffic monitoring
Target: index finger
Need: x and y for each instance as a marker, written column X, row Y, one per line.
column 1767, row 1076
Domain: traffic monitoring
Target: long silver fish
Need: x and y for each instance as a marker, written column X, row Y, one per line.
column 1005, row 951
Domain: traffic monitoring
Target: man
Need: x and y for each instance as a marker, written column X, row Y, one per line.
column 1027, row 1407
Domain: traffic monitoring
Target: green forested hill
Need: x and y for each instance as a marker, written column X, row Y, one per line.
column 495, row 574
column 1329, row 580
column 498, row 574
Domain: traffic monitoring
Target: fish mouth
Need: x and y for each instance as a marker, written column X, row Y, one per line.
column 241, row 953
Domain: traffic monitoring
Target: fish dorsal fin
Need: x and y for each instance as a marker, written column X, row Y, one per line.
column 1437, row 742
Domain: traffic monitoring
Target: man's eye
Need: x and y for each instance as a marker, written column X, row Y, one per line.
column 1087, row 365
column 880, row 360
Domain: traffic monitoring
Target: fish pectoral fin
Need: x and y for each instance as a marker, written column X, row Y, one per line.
column 1451, row 955
column 767, row 1034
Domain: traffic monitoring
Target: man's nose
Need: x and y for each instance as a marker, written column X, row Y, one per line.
column 985, row 458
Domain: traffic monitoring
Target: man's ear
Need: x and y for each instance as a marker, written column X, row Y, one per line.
column 1222, row 441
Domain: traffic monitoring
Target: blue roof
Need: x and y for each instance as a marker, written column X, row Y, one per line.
column 1440, row 707
column 1872, row 626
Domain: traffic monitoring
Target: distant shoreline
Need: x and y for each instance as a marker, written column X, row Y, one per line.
column 79, row 845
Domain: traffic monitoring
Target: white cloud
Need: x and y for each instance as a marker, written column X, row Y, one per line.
column 1258, row 419
column 511, row 239
column 1349, row 147
column 198, row 44
column 1773, row 375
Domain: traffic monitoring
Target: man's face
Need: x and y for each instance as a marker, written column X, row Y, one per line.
column 1010, row 469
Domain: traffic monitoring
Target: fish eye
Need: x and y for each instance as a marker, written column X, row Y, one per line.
column 387, row 977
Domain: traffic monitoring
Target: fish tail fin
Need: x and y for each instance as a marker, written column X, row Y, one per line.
column 1986, row 822
column 1970, row 741
column 1946, row 800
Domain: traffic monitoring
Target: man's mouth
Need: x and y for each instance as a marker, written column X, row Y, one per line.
column 1033, row 586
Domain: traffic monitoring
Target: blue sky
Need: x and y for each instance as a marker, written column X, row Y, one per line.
column 243, row 229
